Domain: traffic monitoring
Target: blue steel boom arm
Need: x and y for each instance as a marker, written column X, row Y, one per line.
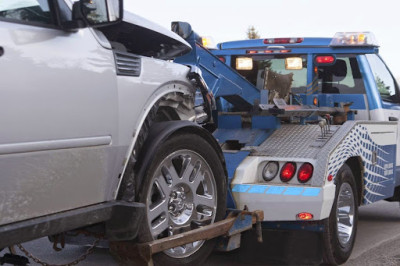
column 223, row 81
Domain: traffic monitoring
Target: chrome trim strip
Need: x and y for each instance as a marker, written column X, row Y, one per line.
column 54, row 145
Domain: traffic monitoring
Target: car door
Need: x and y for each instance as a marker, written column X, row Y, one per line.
column 58, row 113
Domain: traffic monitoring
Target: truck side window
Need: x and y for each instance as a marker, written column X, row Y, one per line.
column 383, row 79
column 342, row 77
column 29, row 11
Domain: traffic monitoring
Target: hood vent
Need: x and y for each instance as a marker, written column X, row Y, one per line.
column 127, row 64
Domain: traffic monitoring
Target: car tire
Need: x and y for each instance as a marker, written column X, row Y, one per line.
column 341, row 227
column 177, row 201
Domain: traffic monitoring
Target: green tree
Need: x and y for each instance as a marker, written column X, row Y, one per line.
column 382, row 88
column 252, row 33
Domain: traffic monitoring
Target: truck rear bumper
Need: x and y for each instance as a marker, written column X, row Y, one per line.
column 284, row 203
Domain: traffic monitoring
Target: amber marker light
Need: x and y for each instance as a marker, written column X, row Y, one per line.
column 305, row 216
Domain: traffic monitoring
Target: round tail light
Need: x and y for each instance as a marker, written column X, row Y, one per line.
column 305, row 172
column 288, row 171
column 270, row 171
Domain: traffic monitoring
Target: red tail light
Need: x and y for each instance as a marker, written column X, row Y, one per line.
column 305, row 172
column 326, row 59
column 268, row 51
column 288, row 171
column 222, row 58
column 283, row 40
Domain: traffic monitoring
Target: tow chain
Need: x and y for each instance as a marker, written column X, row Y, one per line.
column 75, row 262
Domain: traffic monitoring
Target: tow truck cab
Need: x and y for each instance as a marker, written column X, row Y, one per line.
column 324, row 71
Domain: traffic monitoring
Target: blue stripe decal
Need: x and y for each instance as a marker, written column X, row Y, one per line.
column 275, row 190
column 293, row 191
column 241, row 188
column 311, row 192
column 258, row 189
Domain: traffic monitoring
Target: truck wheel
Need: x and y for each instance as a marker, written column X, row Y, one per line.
column 185, row 187
column 341, row 226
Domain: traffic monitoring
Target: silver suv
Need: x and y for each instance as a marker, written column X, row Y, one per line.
column 98, row 127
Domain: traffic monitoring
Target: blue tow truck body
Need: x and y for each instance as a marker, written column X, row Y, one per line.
column 234, row 93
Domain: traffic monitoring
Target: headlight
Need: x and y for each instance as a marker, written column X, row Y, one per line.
column 270, row 171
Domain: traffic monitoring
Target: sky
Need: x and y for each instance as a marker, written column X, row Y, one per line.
column 228, row 20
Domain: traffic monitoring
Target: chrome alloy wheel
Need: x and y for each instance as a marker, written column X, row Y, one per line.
column 182, row 197
column 345, row 214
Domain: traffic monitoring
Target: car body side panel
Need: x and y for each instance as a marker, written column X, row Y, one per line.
column 59, row 122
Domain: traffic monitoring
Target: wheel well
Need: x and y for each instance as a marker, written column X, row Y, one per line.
column 170, row 107
column 166, row 113
column 175, row 106
column 357, row 169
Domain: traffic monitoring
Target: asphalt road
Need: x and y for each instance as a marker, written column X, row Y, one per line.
column 377, row 243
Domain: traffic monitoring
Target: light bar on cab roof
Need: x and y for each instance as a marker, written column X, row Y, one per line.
column 354, row 39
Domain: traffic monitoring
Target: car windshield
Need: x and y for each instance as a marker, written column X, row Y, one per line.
column 26, row 10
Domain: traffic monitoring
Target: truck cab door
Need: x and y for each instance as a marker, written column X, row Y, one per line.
column 385, row 105
column 58, row 108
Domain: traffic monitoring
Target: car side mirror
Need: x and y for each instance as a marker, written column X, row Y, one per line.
column 98, row 13
column 183, row 29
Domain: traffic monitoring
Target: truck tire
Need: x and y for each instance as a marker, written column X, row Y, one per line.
column 185, row 187
column 341, row 227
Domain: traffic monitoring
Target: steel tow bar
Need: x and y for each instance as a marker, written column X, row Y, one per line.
column 235, row 223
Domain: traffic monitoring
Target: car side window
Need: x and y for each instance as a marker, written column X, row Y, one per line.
column 27, row 11
column 383, row 79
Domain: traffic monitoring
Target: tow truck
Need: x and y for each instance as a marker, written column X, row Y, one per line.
column 308, row 127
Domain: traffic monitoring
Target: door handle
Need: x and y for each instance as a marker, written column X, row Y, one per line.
column 392, row 118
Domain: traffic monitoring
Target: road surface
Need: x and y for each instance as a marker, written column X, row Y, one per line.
column 377, row 243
